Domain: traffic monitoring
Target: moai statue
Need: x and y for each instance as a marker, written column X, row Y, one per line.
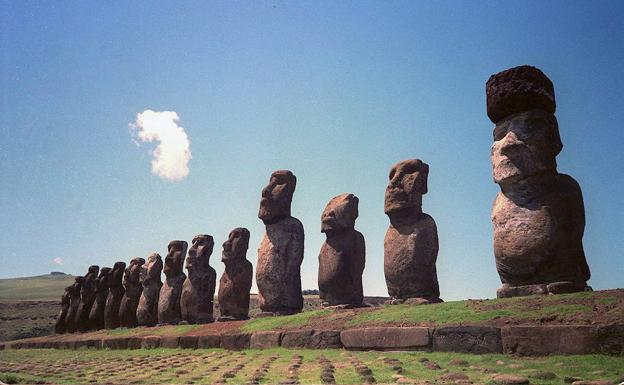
column 169, row 311
column 147, row 310
column 538, row 215
column 198, row 290
column 87, row 297
column 278, row 273
column 132, row 294
column 411, row 242
column 235, row 282
column 115, row 294
column 59, row 327
column 74, row 304
column 96, row 315
column 342, row 256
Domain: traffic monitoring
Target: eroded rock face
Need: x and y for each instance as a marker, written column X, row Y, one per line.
column 115, row 294
column 74, row 304
column 342, row 256
column 59, row 327
column 87, row 297
column 96, row 315
column 539, row 216
column 147, row 309
column 411, row 242
column 169, row 311
column 198, row 290
column 132, row 294
column 278, row 273
column 235, row 282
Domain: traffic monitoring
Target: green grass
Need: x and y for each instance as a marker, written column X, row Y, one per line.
column 283, row 322
column 40, row 288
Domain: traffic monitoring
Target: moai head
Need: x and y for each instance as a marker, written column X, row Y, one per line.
column 102, row 280
column 152, row 269
column 133, row 271
column 66, row 298
column 115, row 277
column 340, row 213
column 521, row 101
column 277, row 196
column 174, row 261
column 235, row 248
column 199, row 253
column 75, row 287
column 93, row 270
column 408, row 183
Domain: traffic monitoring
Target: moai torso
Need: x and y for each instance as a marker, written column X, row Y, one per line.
column 236, row 280
column 87, row 297
column 115, row 295
column 74, row 304
column 538, row 216
column 96, row 315
column 278, row 271
column 198, row 291
column 147, row 309
column 132, row 293
column 342, row 255
column 411, row 242
column 169, row 299
column 59, row 327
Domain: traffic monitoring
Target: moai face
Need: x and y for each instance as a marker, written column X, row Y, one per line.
column 75, row 288
column 152, row 269
column 340, row 213
column 200, row 252
column 93, row 270
column 525, row 144
column 277, row 196
column 408, row 183
column 235, row 248
column 174, row 261
column 133, row 271
column 102, row 280
column 115, row 277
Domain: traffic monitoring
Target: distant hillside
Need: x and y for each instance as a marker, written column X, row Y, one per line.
column 47, row 287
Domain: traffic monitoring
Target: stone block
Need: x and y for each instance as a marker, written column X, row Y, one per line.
column 265, row 340
column 611, row 339
column 468, row 339
column 387, row 338
column 134, row 342
column 188, row 342
column 169, row 342
column 521, row 291
column 237, row 341
column 150, row 342
column 545, row 340
column 115, row 343
column 209, row 341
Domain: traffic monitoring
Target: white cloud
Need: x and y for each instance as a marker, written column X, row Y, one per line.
column 171, row 156
column 58, row 260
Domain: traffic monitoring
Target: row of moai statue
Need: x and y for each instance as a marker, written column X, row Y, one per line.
column 538, row 220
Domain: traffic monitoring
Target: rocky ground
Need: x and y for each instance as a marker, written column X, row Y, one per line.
column 281, row 366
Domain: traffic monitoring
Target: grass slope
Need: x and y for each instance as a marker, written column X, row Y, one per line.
column 47, row 287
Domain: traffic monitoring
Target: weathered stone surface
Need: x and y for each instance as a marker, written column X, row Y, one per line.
column 169, row 311
column 135, row 342
column 539, row 216
column 343, row 254
column 74, row 304
column 278, row 271
column 595, row 382
column 236, row 280
column 169, row 342
column 59, row 327
column 115, row 342
column 150, row 342
column 147, row 309
column 265, row 340
column 132, row 294
column 96, row 315
column 115, row 294
column 87, row 297
column 209, row 341
column 611, row 339
column 199, row 287
column 386, row 338
column 468, row 339
column 509, row 379
column 545, row 340
column 188, row 342
column 520, row 291
column 411, row 242
column 236, row 341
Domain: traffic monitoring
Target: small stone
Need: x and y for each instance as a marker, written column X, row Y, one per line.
column 458, row 362
column 515, row 366
column 453, row 376
column 570, row 379
column 431, row 365
column 510, row 379
column 597, row 382
column 543, row 375
column 499, row 362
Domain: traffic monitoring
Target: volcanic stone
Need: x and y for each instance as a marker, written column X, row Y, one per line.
column 115, row 294
column 147, row 309
column 196, row 303
column 74, row 304
column 236, row 280
column 96, row 315
column 87, row 297
column 59, row 327
column 133, row 289
column 169, row 311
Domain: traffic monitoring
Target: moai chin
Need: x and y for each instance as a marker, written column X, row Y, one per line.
column 74, row 304
column 169, row 311
column 235, row 282
column 147, row 309
column 115, row 294
column 196, row 302
column 132, row 294
column 278, row 271
column 342, row 256
column 59, row 327
column 411, row 242
column 96, row 315
column 87, row 297
column 538, row 216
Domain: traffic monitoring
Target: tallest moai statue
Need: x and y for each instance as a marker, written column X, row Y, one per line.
column 538, row 216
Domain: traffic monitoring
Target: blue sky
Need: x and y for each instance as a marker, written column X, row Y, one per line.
column 337, row 92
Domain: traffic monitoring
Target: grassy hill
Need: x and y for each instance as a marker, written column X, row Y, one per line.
column 47, row 287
